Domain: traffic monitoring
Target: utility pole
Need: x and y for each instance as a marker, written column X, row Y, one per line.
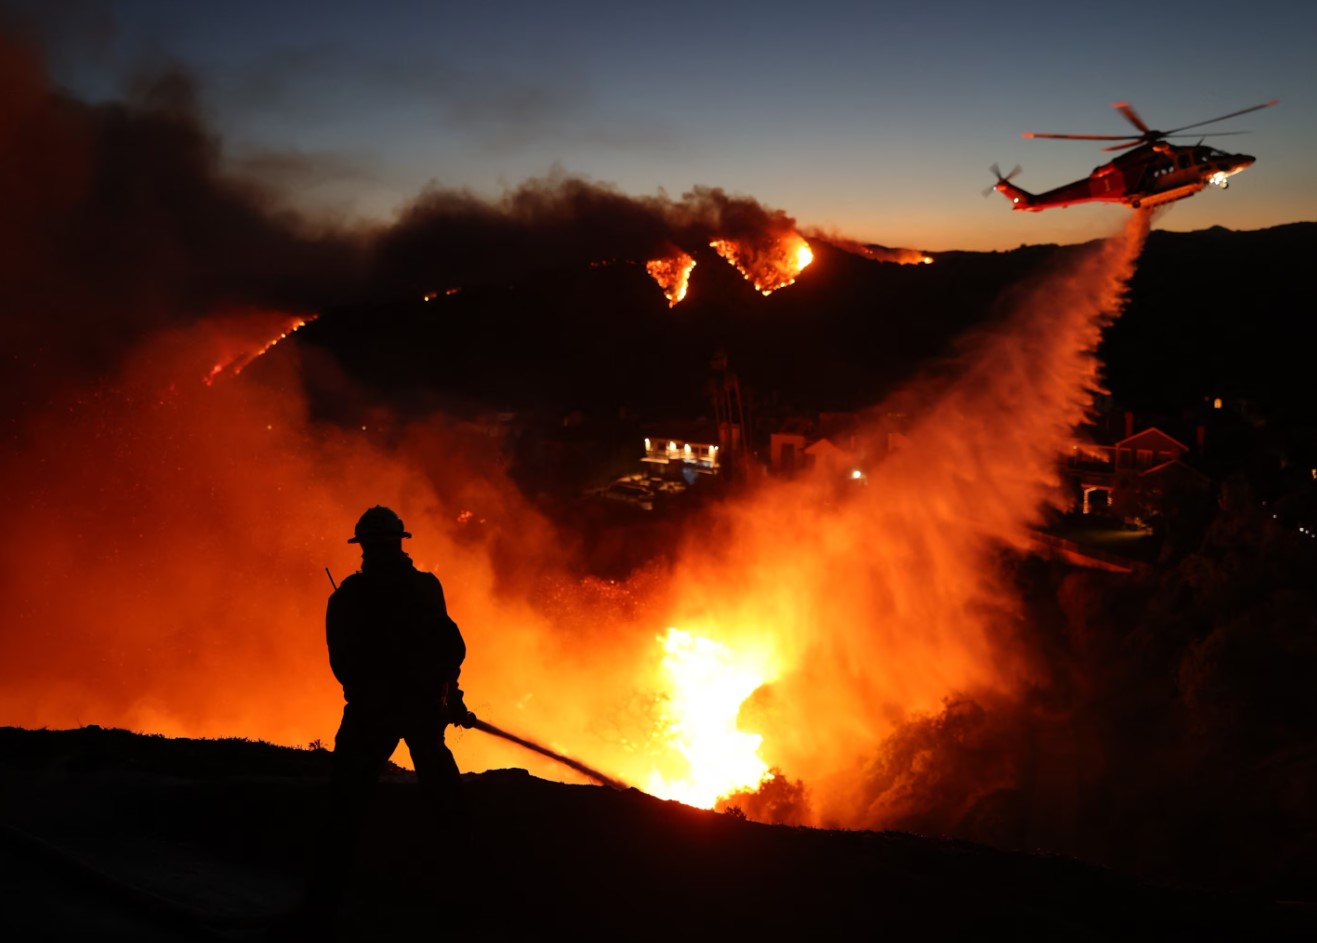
column 724, row 390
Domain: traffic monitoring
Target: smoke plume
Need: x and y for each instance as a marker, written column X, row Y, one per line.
column 893, row 598
column 447, row 238
column 119, row 221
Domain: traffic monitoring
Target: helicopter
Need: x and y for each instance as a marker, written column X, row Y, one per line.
column 1153, row 172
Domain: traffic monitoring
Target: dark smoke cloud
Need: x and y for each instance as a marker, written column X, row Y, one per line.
column 120, row 220
column 127, row 217
column 448, row 237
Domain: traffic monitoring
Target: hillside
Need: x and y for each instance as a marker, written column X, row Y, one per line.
column 110, row 835
column 1215, row 309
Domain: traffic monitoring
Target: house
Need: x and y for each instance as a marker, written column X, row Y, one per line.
column 831, row 458
column 787, row 446
column 830, row 444
column 682, row 450
column 1131, row 475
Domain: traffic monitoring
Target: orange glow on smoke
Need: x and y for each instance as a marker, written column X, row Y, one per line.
column 768, row 263
column 673, row 275
column 708, row 683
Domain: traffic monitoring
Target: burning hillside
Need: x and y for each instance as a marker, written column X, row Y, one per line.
column 559, row 220
column 768, row 264
column 237, row 475
column 876, row 252
column 198, row 517
column 672, row 275
column 190, row 491
column 813, row 652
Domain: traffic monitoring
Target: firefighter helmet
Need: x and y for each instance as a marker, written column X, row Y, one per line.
column 378, row 523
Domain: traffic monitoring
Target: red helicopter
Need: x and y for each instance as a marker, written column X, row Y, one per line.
column 1153, row 173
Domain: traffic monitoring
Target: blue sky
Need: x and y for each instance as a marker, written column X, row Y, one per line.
column 878, row 120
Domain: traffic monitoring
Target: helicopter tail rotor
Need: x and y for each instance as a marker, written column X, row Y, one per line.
column 996, row 172
column 1020, row 199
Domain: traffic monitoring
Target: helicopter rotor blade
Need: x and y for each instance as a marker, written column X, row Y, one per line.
column 1132, row 116
column 1233, row 114
column 1208, row 134
column 1078, row 137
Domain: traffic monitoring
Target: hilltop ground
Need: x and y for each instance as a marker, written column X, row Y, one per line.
column 109, row 835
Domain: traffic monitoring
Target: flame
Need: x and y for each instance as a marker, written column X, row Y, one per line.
column 233, row 361
column 708, row 684
column 770, row 264
column 673, row 275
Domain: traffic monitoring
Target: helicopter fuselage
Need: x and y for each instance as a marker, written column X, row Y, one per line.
column 1149, row 175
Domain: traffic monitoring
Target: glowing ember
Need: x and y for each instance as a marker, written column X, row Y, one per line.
column 673, row 275
column 768, row 265
column 709, row 684
column 231, row 364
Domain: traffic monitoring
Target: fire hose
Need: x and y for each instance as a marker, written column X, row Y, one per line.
column 477, row 724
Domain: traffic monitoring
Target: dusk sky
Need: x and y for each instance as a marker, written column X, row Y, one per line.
column 876, row 120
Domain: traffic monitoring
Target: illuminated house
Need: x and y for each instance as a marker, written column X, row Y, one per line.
column 1142, row 463
column 682, row 450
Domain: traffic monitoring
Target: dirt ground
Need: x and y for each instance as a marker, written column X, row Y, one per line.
column 109, row 835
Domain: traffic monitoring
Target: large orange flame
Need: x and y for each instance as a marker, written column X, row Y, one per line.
column 707, row 684
column 673, row 275
column 768, row 263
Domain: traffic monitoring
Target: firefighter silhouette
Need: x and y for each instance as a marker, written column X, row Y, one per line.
column 398, row 656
